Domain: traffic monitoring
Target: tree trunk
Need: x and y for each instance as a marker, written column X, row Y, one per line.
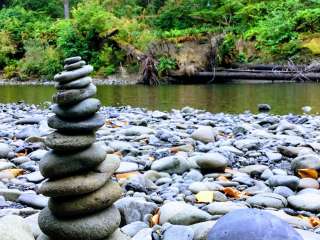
column 66, row 9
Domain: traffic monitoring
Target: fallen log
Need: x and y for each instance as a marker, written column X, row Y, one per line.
column 275, row 67
column 221, row 75
column 267, row 75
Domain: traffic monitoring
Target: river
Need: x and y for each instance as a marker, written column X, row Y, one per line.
column 231, row 98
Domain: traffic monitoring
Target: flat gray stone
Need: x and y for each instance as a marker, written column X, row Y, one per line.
column 72, row 60
column 307, row 202
column 84, row 109
column 69, row 76
column 66, row 142
column 57, row 165
column 88, row 125
column 76, row 84
column 287, row 181
column 266, row 200
column 74, row 96
column 210, row 161
column 74, row 66
column 181, row 213
column 222, row 208
column 74, row 185
column 92, row 227
column 82, row 183
column 86, row 204
column 33, row 200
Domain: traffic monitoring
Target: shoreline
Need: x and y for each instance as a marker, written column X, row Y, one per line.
column 99, row 82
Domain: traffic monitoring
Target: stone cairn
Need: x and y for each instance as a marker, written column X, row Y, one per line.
column 79, row 171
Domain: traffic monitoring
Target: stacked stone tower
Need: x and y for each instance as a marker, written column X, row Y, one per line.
column 78, row 169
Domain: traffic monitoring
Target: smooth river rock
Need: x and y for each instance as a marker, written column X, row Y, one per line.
column 76, row 84
column 86, row 204
column 181, row 213
column 72, row 60
column 66, row 143
column 92, row 227
column 83, row 109
column 14, row 228
column 287, row 181
column 73, row 66
column 305, row 201
column 57, row 165
column 308, row 161
column 74, row 96
column 210, row 161
column 88, row 125
column 252, row 224
column 271, row 200
column 74, row 185
column 65, row 77
column 204, row 134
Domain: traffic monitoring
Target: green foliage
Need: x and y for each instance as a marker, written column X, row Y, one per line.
column 226, row 50
column 34, row 37
column 108, row 60
column 39, row 60
column 53, row 8
column 165, row 65
column 7, row 48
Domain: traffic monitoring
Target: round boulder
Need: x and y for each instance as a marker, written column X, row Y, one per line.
column 252, row 224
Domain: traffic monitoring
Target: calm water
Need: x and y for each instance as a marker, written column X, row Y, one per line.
column 233, row 98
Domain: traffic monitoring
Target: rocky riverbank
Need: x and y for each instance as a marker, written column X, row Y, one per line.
column 180, row 171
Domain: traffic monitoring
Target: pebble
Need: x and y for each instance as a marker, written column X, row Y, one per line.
column 204, row 134
column 162, row 161
column 182, row 213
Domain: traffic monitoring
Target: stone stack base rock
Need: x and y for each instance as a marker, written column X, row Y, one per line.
column 77, row 169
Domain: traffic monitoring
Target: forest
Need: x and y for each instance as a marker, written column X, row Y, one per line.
column 36, row 35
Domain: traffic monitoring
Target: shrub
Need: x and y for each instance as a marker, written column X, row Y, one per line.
column 7, row 48
column 39, row 61
column 165, row 65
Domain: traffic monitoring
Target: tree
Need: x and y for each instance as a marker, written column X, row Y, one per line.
column 66, row 9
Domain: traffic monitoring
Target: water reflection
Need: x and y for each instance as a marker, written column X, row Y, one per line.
column 233, row 98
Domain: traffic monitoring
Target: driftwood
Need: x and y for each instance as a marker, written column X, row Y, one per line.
column 254, row 75
column 313, row 67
